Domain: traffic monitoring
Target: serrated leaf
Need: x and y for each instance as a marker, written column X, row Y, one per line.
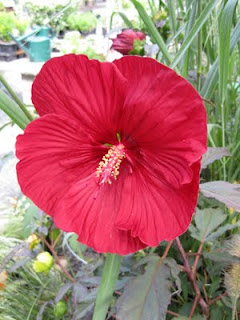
column 79, row 293
column 214, row 154
column 62, row 291
column 196, row 317
column 221, row 256
column 225, row 192
column 222, row 230
column 206, row 221
column 42, row 309
column 83, row 312
column 148, row 295
column 174, row 268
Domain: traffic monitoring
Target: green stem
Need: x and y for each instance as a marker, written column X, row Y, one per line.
column 13, row 111
column 109, row 278
column 15, row 98
column 223, row 139
column 234, row 307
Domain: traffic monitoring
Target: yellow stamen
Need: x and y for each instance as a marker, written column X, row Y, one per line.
column 108, row 168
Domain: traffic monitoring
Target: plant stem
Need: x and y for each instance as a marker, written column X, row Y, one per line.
column 15, row 98
column 234, row 307
column 109, row 278
column 190, row 274
column 57, row 259
column 10, row 107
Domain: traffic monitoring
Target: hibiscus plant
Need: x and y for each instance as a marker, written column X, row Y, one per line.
column 114, row 157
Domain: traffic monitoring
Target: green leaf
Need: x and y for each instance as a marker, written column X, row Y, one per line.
column 214, row 235
column 193, row 33
column 152, row 30
column 172, row 15
column 225, row 192
column 109, row 278
column 214, row 154
column 127, row 22
column 188, row 29
column 148, row 295
column 206, row 221
column 225, row 24
column 211, row 80
column 30, row 217
column 14, row 112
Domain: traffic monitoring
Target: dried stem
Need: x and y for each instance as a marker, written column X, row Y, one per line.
column 173, row 313
column 194, row 306
column 211, row 302
column 57, row 258
column 194, row 267
column 165, row 252
column 188, row 270
column 56, row 241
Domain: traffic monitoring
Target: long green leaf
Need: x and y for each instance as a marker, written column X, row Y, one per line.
column 188, row 29
column 127, row 22
column 152, row 30
column 15, row 98
column 212, row 76
column 172, row 15
column 225, row 24
column 11, row 108
column 193, row 33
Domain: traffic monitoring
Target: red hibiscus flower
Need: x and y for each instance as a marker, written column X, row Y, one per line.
column 124, row 43
column 115, row 156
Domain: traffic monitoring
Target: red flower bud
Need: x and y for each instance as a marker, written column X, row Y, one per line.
column 124, row 42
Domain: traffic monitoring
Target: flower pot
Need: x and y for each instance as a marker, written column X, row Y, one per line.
column 8, row 47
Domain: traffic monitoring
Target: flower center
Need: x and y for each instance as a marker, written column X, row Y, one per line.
column 108, row 168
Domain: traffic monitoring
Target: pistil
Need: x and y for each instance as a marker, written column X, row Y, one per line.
column 108, row 169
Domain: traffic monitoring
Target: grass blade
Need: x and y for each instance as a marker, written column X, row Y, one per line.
column 125, row 19
column 193, row 33
column 172, row 15
column 11, row 108
column 225, row 24
column 212, row 76
column 152, row 30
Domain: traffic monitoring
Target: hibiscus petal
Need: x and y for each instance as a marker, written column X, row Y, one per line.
column 165, row 115
column 87, row 90
column 53, row 153
column 90, row 210
column 152, row 210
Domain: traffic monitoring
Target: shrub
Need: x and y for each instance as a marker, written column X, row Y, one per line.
column 82, row 22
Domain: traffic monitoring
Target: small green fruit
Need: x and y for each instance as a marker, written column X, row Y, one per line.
column 60, row 309
column 43, row 262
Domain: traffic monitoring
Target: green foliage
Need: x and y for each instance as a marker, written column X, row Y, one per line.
column 7, row 25
column 9, row 22
column 55, row 16
column 83, row 22
column 73, row 43
column 148, row 295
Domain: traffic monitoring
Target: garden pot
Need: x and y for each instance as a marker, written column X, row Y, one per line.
column 8, row 47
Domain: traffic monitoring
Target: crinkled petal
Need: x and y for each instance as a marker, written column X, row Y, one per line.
column 90, row 92
column 154, row 211
column 90, row 211
column 166, row 117
column 53, row 153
